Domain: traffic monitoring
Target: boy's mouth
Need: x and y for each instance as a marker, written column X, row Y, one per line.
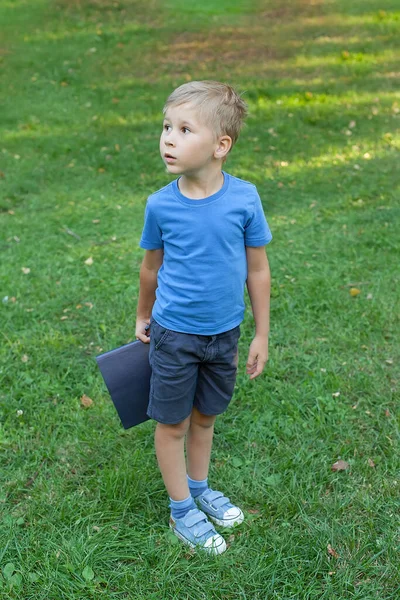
column 169, row 157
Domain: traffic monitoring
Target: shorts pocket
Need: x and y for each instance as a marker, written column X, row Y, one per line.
column 160, row 334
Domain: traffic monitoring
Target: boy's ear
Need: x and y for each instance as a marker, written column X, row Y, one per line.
column 224, row 145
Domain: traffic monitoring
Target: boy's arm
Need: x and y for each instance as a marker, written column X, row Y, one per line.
column 152, row 261
column 259, row 287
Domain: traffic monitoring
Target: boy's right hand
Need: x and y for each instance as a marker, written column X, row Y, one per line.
column 143, row 330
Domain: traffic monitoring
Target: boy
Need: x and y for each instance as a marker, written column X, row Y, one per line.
column 204, row 235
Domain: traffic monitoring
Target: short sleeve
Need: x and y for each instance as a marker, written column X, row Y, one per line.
column 151, row 235
column 257, row 231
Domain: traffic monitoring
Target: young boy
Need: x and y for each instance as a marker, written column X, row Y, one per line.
column 204, row 235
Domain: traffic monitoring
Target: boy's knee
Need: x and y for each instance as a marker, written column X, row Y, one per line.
column 206, row 421
column 177, row 430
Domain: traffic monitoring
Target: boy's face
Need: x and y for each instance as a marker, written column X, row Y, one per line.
column 187, row 145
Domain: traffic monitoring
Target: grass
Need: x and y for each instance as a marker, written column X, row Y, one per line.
column 83, row 509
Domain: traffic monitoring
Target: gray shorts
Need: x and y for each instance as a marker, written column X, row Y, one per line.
column 190, row 370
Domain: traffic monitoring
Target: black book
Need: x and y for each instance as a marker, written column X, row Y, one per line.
column 126, row 372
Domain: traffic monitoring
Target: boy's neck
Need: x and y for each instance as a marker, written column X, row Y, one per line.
column 201, row 185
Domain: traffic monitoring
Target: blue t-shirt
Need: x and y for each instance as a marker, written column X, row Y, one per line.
column 204, row 271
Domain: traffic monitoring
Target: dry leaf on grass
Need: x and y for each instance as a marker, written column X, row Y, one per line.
column 332, row 552
column 354, row 291
column 86, row 401
column 340, row 465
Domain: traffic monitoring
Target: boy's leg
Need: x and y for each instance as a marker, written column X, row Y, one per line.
column 187, row 521
column 198, row 450
column 214, row 390
column 198, row 444
column 169, row 443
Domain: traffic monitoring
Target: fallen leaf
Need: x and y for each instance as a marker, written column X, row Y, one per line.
column 89, row 261
column 86, row 401
column 371, row 462
column 335, row 394
column 354, row 291
column 332, row 552
column 340, row 465
column 96, row 221
column 101, row 170
column 24, row 358
column 25, row 270
column 387, row 413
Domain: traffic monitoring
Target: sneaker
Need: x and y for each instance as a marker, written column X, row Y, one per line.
column 219, row 508
column 196, row 530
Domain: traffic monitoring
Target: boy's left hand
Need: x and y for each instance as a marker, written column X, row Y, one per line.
column 258, row 356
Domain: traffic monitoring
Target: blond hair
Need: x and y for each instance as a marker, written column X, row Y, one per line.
column 218, row 104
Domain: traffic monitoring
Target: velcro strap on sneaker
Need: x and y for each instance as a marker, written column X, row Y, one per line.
column 197, row 517
column 217, row 499
column 193, row 517
column 203, row 528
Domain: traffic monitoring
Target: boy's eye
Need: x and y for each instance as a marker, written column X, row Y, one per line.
column 185, row 129
column 167, row 127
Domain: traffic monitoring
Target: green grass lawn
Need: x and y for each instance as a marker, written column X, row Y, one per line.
column 83, row 509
